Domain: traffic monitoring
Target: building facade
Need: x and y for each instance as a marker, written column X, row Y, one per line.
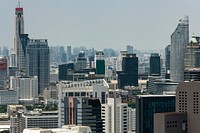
column 38, row 64
column 179, row 42
column 155, row 67
column 147, row 105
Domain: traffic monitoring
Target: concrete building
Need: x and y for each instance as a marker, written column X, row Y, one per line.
column 81, row 61
column 3, row 72
column 147, row 105
column 8, row 97
column 35, row 119
column 84, row 111
column 114, row 115
column 28, row 88
column 38, row 64
column 187, row 101
column 179, row 42
column 64, row 129
column 170, row 122
column 131, row 120
column 18, row 46
column 90, row 88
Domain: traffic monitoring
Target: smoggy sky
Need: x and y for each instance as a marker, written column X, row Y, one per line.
column 145, row 24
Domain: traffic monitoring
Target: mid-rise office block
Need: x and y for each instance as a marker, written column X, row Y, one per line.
column 38, row 64
column 147, row 105
column 90, row 88
column 179, row 42
column 8, row 97
column 28, row 88
column 81, row 61
column 35, row 119
column 83, row 111
column 66, row 71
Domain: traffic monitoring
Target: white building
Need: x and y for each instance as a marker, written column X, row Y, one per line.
column 28, row 88
column 114, row 115
column 131, row 120
column 179, row 42
column 64, row 129
column 90, row 88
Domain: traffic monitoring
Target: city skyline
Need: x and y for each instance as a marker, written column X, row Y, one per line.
column 99, row 24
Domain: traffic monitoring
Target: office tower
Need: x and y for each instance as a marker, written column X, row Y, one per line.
column 129, row 49
column 83, row 111
column 167, row 62
column 18, row 46
column 131, row 119
column 114, row 115
column 3, row 72
column 81, row 61
column 129, row 74
column 100, row 63
column 179, row 42
column 28, row 89
column 155, row 67
column 147, row 105
column 91, row 61
column 192, row 54
column 66, row 71
column 90, row 88
column 38, row 64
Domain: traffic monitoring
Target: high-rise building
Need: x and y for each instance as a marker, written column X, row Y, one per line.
column 38, row 64
column 167, row 62
column 100, row 63
column 13, row 62
column 3, row 72
column 147, row 105
column 81, row 61
column 114, row 115
column 18, row 47
column 84, row 111
column 179, row 42
column 192, row 54
column 155, row 67
column 129, row 74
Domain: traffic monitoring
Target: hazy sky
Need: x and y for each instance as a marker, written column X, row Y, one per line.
column 145, row 24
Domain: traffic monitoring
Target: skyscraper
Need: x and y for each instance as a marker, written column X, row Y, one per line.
column 155, row 69
column 100, row 63
column 18, row 47
column 179, row 41
column 167, row 61
column 129, row 74
column 38, row 64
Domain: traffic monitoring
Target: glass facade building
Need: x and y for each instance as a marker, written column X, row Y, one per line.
column 147, row 106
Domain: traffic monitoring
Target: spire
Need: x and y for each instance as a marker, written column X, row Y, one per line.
column 18, row 4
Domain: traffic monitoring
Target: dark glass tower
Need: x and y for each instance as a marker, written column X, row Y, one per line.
column 38, row 63
column 147, row 106
column 129, row 74
column 155, row 65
